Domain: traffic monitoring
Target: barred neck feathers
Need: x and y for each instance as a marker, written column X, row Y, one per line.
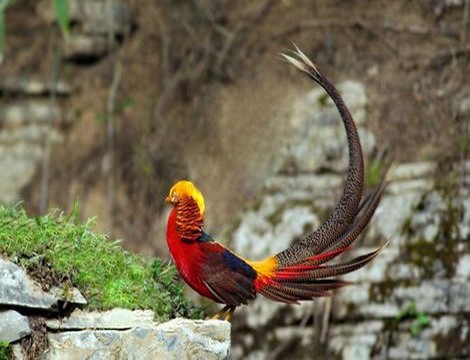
column 189, row 220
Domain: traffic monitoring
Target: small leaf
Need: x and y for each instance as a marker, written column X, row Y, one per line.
column 423, row 320
column 62, row 15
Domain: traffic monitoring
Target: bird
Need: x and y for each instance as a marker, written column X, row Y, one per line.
column 303, row 271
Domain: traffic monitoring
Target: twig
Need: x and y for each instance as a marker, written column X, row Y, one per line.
column 359, row 23
column 165, row 52
column 325, row 320
column 282, row 347
column 370, row 29
column 447, row 55
column 110, row 134
column 110, row 109
column 44, row 198
column 463, row 33
column 413, row 29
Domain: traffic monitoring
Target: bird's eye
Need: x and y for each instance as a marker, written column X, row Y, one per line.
column 173, row 193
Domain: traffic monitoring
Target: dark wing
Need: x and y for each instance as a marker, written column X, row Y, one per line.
column 229, row 278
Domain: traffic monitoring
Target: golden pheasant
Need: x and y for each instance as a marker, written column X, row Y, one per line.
column 298, row 273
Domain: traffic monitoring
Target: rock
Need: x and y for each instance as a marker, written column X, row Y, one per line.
column 176, row 339
column 24, row 112
column 112, row 319
column 462, row 106
column 355, row 342
column 85, row 46
column 13, row 326
column 18, row 290
column 29, row 86
column 24, row 127
column 21, row 168
column 463, row 267
column 406, row 171
column 93, row 16
column 274, row 220
column 91, row 22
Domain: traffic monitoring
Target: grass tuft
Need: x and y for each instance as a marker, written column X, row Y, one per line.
column 106, row 275
column 4, row 350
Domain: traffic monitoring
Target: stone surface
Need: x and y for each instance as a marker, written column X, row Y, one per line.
column 94, row 16
column 18, row 290
column 92, row 21
column 113, row 334
column 112, row 319
column 176, row 339
column 32, row 86
column 13, row 326
column 24, row 127
column 38, row 111
column 86, row 46
column 355, row 342
column 425, row 264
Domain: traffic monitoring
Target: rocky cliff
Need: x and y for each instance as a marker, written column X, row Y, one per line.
column 33, row 325
column 411, row 302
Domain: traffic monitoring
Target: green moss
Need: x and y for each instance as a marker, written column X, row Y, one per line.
column 380, row 292
column 454, row 342
column 443, row 248
column 59, row 250
column 374, row 173
column 419, row 320
column 4, row 350
column 423, row 254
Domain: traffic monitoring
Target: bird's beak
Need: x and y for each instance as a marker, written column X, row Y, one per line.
column 168, row 199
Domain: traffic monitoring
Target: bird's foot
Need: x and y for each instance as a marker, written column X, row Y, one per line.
column 225, row 313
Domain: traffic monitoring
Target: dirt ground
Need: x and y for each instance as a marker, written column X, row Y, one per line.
column 202, row 95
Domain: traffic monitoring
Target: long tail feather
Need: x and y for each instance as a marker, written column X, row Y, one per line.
column 325, row 271
column 298, row 286
column 347, row 207
column 363, row 219
column 299, row 272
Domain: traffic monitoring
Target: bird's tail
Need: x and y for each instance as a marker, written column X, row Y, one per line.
column 301, row 271
column 312, row 276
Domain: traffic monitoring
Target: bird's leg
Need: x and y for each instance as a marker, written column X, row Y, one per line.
column 229, row 313
column 221, row 313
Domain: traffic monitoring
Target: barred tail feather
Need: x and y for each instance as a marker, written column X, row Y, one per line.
column 348, row 205
column 299, row 272
column 291, row 287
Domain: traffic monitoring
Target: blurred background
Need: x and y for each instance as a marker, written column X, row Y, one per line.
column 107, row 103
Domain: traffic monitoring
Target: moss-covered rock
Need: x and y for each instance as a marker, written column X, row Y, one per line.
column 59, row 250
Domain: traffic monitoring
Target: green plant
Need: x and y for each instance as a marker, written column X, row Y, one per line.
column 70, row 253
column 61, row 8
column 4, row 350
column 374, row 172
column 419, row 319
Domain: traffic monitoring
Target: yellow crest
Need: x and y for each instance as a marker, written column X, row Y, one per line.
column 187, row 188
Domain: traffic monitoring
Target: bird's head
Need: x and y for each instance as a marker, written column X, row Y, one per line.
column 183, row 189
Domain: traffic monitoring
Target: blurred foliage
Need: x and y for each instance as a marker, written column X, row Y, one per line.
column 61, row 8
column 107, row 275
column 419, row 319
column 4, row 350
column 373, row 173
column 4, row 4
